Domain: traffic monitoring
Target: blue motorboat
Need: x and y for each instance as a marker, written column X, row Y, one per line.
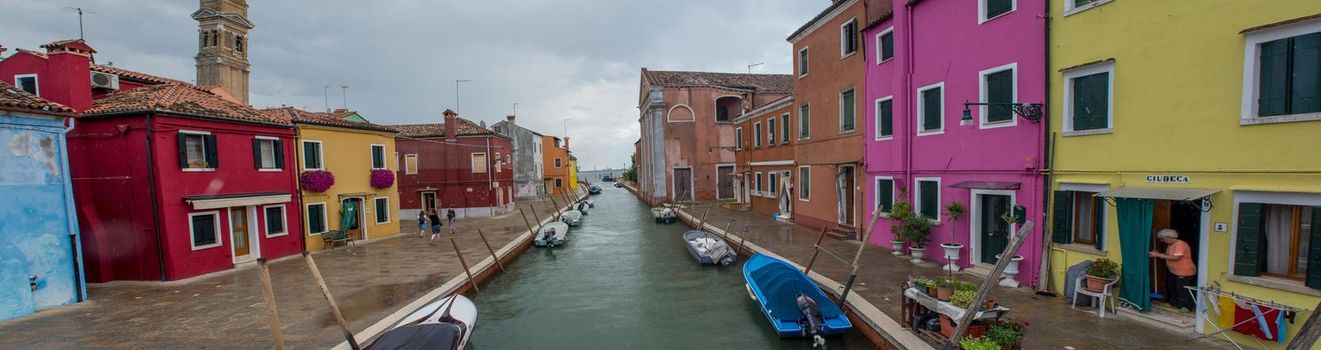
column 794, row 304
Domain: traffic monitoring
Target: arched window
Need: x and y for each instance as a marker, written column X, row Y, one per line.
column 238, row 43
column 215, row 38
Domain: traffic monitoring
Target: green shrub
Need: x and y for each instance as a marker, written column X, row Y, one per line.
column 966, row 286
column 1006, row 333
column 980, row 343
column 1103, row 268
column 962, row 298
column 944, row 282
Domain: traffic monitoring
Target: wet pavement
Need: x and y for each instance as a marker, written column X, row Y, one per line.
column 225, row 310
column 1052, row 324
column 624, row 282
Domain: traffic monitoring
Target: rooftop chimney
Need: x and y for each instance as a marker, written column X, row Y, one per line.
column 510, row 117
column 68, row 80
column 566, row 143
column 451, row 122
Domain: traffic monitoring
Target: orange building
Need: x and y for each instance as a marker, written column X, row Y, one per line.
column 764, row 157
column 555, row 164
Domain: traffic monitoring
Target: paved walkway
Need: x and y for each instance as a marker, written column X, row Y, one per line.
column 226, row 310
column 1052, row 324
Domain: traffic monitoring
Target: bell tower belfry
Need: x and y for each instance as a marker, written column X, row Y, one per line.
column 222, row 46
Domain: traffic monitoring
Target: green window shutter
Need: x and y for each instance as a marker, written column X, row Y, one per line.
column 804, row 122
column 886, row 191
column 212, row 154
column 847, row 109
column 931, row 109
column 1305, row 66
column 998, row 7
column 1273, row 87
column 183, row 150
column 1247, row 250
column 887, row 117
column 930, row 199
column 1314, row 251
column 310, row 155
column 1091, row 101
column 887, row 46
column 1000, row 89
column 1061, row 231
column 279, row 154
column 316, row 219
column 1098, row 222
column 256, row 153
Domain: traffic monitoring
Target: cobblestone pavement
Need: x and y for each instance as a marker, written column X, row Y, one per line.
column 1053, row 325
column 225, row 310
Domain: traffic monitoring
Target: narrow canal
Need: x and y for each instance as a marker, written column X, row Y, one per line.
column 623, row 282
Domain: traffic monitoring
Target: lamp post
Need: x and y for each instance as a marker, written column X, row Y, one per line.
column 1030, row 111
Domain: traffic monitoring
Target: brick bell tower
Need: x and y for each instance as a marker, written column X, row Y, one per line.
column 222, row 46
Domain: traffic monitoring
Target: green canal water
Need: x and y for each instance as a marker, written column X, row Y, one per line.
column 624, row 282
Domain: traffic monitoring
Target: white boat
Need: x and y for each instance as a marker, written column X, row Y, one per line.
column 551, row 234
column 708, row 248
column 443, row 324
column 572, row 217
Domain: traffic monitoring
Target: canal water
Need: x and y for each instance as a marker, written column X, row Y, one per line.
column 624, row 282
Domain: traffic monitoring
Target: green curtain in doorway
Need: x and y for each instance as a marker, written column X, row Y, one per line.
column 1135, row 242
column 348, row 214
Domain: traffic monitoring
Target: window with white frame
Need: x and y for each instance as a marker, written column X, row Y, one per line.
column 197, row 150
column 990, row 9
column 277, row 223
column 756, row 183
column 773, row 183
column 1282, row 73
column 770, row 131
column 316, row 218
column 784, row 128
column 410, row 164
column 204, row 229
column 999, row 86
column 27, row 82
column 926, row 200
column 1276, row 235
column 738, row 138
column 885, row 45
column 1089, row 98
column 802, row 62
column 848, row 111
column 884, row 193
column 1075, row 6
column 1079, row 217
column 848, row 38
column 931, row 109
column 804, row 182
column 312, row 156
column 267, row 153
column 382, row 209
column 884, row 118
column 756, row 135
column 804, row 122
column 378, row 157
column 559, row 162
column 478, row 162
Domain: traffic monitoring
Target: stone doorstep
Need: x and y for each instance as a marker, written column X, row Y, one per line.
column 1161, row 317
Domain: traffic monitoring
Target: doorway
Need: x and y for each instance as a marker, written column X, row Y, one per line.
column 994, row 231
column 786, row 196
column 683, row 184
column 1184, row 217
column 351, row 218
column 242, row 237
column 725, row 182
column 428, row 201
column 844, row 182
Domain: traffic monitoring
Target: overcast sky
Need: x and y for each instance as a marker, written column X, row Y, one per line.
column 558, row 59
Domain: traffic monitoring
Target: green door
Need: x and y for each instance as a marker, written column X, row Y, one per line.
column 995, row 231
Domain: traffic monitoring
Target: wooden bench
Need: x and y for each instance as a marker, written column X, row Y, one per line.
column 335, row 236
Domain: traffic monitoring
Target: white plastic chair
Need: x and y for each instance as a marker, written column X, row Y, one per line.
column 1105, row 295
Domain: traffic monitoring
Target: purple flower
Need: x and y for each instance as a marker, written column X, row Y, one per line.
column 382, row 178
column 317, row 180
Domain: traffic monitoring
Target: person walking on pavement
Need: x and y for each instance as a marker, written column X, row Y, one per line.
column 422, row 223
column 450, row 215
column 435, row 225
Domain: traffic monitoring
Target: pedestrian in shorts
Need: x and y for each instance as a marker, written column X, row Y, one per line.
column 435, row 225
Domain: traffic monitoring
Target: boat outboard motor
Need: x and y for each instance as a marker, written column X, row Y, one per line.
column 548, row 234
column 811, row 318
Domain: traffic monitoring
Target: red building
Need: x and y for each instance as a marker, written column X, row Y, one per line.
column 454, row 165
column 170, row 180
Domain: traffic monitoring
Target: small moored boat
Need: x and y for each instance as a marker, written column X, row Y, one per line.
column 595, row 189
column 582, row 207
column 551, row 234
column 443, row 324
column 572, row 217
column 708, row 248
column 619, row 184
column 591, row 204
column 794, row 304
column 663, row 215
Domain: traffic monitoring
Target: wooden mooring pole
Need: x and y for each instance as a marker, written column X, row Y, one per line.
column 816, row 250
column 528, row 223
column 866, row 235
column 991, row 281
column 1308, row 333
column 742, row 239
column 488, row 248
column 464, row 264
column 701, row 223
column 726, row 230
column 334, row 308
column 268, row 293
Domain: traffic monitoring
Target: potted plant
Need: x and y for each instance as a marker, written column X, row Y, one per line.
column 923, row 284
column 382, row 178
column 198, row 164
column 1011, row 270
column 978, row 343
column 917, row 230
column 900, row 210
column 976, row 329
column 1008, row 334
column 1102, row 272
column 945, row 288
column 317, row 180
column 955, row 211
column 962, row 298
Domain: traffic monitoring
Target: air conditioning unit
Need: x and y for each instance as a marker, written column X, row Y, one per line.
column 105, row 80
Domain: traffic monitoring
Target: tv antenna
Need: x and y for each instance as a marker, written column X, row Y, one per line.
column 754, row 65
column 80, row 11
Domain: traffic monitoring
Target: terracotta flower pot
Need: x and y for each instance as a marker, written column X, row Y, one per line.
column 974, row 330
column 1096, row 284
column 943, row 293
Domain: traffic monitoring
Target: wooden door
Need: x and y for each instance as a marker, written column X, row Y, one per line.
column 1160, row 219
column 724, row 182
column 238, row 227
column 995, row 231
column 683, row 184
column 428, row 201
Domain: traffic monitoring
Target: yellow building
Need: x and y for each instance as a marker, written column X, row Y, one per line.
column 573, row 174
column 352, row 149
column 1200, row 116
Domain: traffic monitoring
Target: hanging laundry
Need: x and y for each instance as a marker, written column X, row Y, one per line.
column 1257, row 320
column 1226, row 310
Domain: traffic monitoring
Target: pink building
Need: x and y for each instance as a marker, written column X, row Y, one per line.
column 923, row 63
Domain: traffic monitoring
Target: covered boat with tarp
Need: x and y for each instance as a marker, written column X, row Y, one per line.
column 595, row 189
column 582, row 207
column 551, row 234
column 708, row 248
column 664, row 215
column 443, row 324
column 794, row 304
column 573, row 217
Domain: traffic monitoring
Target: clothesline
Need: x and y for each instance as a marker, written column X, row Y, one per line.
column 1208, row 295
column 1217, row 292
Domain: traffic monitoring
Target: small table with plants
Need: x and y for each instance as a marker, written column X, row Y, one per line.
column 931, row 307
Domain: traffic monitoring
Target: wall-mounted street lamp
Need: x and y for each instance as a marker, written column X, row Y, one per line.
column 1029, row 111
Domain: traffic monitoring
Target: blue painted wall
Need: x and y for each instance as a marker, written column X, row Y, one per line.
column 38, row 226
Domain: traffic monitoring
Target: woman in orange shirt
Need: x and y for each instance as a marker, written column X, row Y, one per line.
column 1179, row 259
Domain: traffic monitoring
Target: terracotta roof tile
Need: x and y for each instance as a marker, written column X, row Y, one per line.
column 15, row 99
column 134, row 75
column 336, row 118
column 465, row 128
column 764, row 83
column 178, row 98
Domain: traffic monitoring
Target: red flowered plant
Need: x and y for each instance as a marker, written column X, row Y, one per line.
column 317, row 180
column 382, row 178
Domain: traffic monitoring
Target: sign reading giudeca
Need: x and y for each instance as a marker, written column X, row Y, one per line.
column 1178, row 179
